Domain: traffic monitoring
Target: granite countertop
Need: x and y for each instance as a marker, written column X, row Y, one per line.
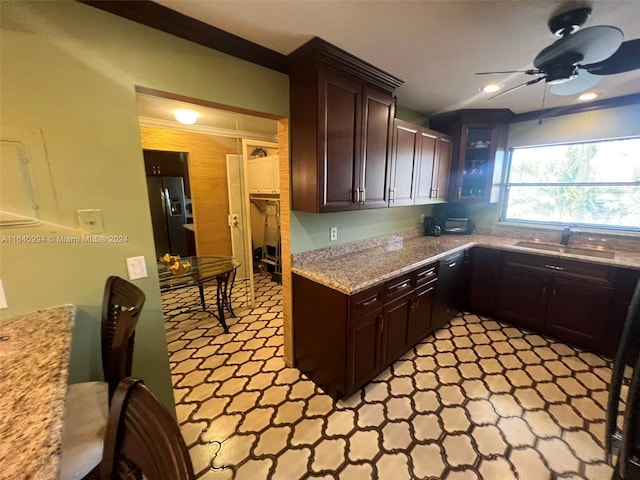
column 353, row 271
column 34, row 363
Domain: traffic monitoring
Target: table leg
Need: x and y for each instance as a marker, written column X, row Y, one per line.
column 227, row 293
column 202, row 302
column 221, row 280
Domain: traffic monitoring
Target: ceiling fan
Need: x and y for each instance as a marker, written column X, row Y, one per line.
column 575, row 62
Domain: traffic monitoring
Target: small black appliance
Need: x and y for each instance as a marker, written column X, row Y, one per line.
column 433, row 226
column 458, row 222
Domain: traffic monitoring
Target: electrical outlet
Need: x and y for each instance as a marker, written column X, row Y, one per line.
column 333, row 234
column 136, row 268
column 422, row 218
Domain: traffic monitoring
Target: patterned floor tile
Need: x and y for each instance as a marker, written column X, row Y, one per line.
column 477, row 400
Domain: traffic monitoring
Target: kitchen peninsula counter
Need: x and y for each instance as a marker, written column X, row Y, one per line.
column 351, row 268
column 34, row 361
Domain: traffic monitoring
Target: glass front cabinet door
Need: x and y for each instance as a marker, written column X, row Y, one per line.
column 477, row 163
column 480, row 139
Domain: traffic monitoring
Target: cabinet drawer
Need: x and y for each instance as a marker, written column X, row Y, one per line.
column 426, row 274
column 562, row 267
column 398, row 287
column 367, row 301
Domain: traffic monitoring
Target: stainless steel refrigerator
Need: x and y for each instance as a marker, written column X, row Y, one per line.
column 623, row 437
column 168, row 215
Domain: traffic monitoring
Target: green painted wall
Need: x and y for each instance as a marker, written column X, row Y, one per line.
column 598, row 124
column 310, row 231
column 70, row 70
column 409, row 115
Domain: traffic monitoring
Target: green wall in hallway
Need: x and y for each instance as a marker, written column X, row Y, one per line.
column 70, row 71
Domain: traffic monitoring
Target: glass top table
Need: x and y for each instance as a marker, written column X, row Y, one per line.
column 203, row 270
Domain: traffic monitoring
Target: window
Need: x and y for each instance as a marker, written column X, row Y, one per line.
column 590, row 183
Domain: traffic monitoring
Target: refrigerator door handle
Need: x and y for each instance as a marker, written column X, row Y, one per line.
column 166, row 204
column 162, row 202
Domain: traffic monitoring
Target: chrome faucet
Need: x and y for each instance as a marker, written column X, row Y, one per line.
column 566, row 234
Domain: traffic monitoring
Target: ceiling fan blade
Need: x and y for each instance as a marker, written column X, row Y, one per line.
column 583, row 81
column 528, row 72
column 594, row 44
column 626, row 58
column 530, row 82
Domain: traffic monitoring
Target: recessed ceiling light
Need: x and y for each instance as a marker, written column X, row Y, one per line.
column 186, row 117
column 588, row 96
column 492, row 87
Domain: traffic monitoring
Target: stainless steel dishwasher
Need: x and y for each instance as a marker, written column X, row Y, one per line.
column 452, row 281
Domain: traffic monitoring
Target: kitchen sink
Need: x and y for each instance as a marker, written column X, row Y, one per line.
column 556, row 247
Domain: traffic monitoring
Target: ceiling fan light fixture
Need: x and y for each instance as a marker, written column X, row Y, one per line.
column 186, row 117
column 586, row 96
column 492, row 87
column 561, row 72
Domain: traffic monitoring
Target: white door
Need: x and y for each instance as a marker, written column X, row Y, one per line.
column 240, row 227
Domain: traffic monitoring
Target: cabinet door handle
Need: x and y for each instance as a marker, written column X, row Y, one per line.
column 412, row 304
column 451, row 265
column 427, row 273
column 554, row 267
column 356, row 195
column 370, row 301
column 553, row 291
column 392, row 195
column 364, row 196
column 459, row 192
column 544, row 290
column 399, row 286
column 381, row 323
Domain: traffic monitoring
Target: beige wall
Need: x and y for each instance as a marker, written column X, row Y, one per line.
column 70, row 71
column 208, row 178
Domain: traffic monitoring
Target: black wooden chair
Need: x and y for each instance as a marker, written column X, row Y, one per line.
column 143, row 440
column 87, row 403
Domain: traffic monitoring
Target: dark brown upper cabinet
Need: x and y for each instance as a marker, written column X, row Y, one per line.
column 168, row 164
column 342, row 111
column 479, row 144
column 419, row 165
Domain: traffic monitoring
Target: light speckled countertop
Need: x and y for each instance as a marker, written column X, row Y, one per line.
column 34, row 363
column 353, row 271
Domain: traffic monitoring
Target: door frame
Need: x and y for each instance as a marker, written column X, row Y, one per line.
column 285, row 202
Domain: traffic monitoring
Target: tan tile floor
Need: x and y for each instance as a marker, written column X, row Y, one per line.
column 477, row 400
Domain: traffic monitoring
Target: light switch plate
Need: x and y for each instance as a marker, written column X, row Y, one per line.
column 90, row 220
column 333, row 234
column 3, row 297
column 137, row 268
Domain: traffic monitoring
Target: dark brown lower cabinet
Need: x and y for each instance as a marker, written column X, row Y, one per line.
column 364, row 349
column 394, row 329
column 343, row 341
column 486, row 265
column 420, row 324
column 577, row 312
column 522, row 297
column 580, row 303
